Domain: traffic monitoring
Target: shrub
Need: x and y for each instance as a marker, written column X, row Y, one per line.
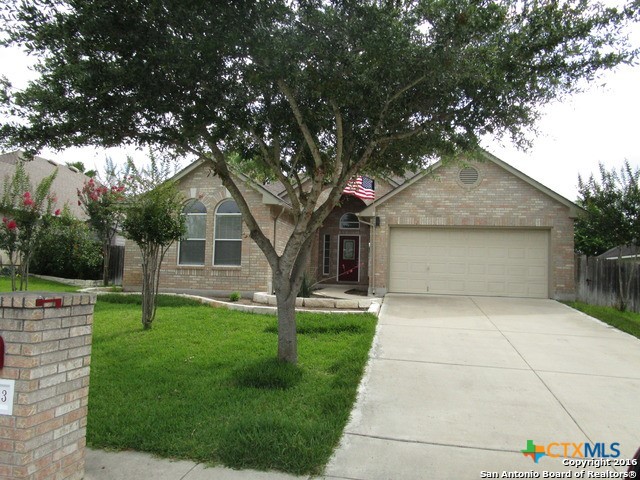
column 235, row 296
column 67, row 248
column 306, row 288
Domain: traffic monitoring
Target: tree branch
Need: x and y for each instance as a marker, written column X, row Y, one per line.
column 393, row 98
column 339, row 141
column 315, row 152
column 275, row 167
column 400, row 135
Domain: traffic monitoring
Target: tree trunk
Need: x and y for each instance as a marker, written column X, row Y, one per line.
column 106, row 254
column 152, row 257
column 149, row 260
column 12, row 262
column 287, row 285
column 287, row 335
column 24, row 272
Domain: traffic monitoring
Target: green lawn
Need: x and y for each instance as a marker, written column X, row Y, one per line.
column 203, row 384
column 36, row 285
column 626, row 321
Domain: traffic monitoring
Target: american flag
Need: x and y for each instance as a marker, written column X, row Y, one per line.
column 361, row 187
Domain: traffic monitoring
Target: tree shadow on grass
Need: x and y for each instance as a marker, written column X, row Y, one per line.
column 267, row 374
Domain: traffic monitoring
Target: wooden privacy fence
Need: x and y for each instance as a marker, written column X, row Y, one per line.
column 597, row 281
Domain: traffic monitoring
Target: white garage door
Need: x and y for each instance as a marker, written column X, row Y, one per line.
column 509, row 262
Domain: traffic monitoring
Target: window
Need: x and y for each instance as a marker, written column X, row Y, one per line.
column 349, row 221
column 326, row 258
column 191, row 248
column 228, row 234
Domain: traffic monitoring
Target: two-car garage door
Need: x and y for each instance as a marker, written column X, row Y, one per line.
column 469, row 261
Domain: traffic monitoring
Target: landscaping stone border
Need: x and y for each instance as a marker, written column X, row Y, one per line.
column 272, row 309
column 267, row 299
column 331, row 305
column 74, row 282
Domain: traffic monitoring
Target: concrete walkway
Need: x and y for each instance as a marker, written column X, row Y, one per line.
column 103, row 465
column 457, row 385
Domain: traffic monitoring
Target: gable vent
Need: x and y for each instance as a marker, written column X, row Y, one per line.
column 468, row 176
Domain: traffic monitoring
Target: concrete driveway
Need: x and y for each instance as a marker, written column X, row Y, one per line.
column 457, row 385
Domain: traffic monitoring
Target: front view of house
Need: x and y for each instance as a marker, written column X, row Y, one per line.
column 463, row 228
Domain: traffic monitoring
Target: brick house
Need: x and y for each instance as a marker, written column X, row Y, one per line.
column 474, row 228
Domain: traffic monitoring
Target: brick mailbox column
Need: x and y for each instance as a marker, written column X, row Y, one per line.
column 44, row 384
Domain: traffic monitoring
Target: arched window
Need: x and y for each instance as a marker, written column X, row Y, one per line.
column 349, row 221
column 227, row 248
column 192, row 245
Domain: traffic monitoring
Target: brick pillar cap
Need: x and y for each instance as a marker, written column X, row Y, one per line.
column 34, row 299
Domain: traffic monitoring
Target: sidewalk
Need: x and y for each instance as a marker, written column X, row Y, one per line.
column 102, row 465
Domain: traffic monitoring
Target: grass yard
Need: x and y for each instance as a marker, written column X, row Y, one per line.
column 203, row 384
column 626, row 321
column 36, row 285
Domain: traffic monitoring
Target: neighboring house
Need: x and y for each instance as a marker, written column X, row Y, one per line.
column 65, row 191
column 623, row 252
column 65, row 186
column 479, row 228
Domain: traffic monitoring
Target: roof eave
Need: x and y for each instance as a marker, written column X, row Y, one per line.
column 268, row 198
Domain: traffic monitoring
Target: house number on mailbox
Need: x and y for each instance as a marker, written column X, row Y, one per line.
column 6, row 396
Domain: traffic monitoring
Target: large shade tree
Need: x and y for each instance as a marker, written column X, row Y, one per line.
column 315, row 91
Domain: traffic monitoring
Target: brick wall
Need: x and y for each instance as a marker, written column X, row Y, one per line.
column 254, row 273
column 48, row 352
column 501, row 199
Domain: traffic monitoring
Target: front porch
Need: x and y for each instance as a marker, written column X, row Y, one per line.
column 340, row 253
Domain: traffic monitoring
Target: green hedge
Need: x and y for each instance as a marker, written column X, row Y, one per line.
column 67, row 248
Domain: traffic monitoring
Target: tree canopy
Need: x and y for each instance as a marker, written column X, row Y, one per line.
column 611, row 220
column 612, row 211
column 313, row 91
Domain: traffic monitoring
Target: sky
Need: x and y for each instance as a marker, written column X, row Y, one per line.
column 599, row 125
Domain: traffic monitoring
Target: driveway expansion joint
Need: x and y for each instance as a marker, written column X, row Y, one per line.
column 562, row 405
column 435, row 444
column 582, row 374
column 452, row 364
column 457, row 329
column 190, row 470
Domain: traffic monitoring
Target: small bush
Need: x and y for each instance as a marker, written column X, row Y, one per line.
column 306, row 288
column 67, row 248
column 235, row 296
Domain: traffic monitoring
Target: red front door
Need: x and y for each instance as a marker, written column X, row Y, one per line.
column 349, row 259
